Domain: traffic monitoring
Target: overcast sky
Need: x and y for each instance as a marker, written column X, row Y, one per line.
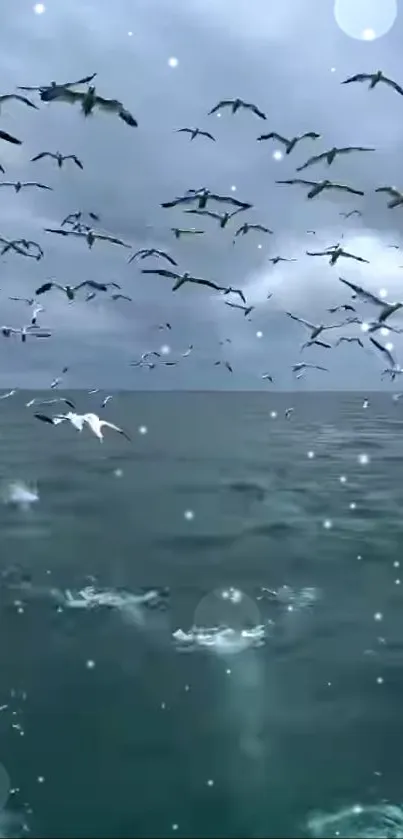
column 289, row 59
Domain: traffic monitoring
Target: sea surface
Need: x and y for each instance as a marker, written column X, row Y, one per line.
column 202, row 628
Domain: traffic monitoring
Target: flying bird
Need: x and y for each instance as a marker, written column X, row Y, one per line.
column 335, row 252
column 56, row 86
column 314, row 342
column 38, row 401
column 195, row 132
column 387, row 309
column 144, row 253
column 394, row 369
column 246, row 227
column 121, row 297
column 351, row 213
column 181, row 231
column 397, row 197
column 268, row 377
column 70, row 291
column 23, row 331
column 238, row 291
column 202, row 196
column 18, row 185
column 304, row 365
column 316, row 329
column 75, row 218
column 7, row 96
column 245, row 309
column 60, row 158
column 290, row 143
column 236, row 105
column 329, row 156
column 318, row 186
column 181, row 279
column 374, row 79
column 225, row 364
column 276, row 259
column 345, row 339
column 89, row 100
column 344, row 307
column 79, row 420
column 89, row 235
column 222, row 218
column 21, row 246
column 8, row 138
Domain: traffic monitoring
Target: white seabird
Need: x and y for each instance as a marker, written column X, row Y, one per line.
column 318, row 328
column 79, row 420
column 393, row 370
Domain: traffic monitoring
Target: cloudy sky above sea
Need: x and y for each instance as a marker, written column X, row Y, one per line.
column 289, row 59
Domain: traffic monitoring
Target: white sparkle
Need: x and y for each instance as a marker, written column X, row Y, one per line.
column 228, row 671
column 352, row 505
column 118, row 473
column 368, row 35
column 259, row 334
column 40, row 779
column 130, row 34
column 143, row 429
column 379, row 680
column 173, row 62
column 357, row 809
column 278, row 155
column 90, row 664
column 165, row 349
column 363, row 459
column 260, row 247
column 359, row 556
column 365, row 327
column 210, row 782
column 327, row 524
column 383, row 292
column 310, row 455
column 218, row 115
column 189, row 515
column 378, row 616
column 233, row 188
column 396, row 564
column 163, row 706
column 343, row 479
column 39, row 8
column 384, row 331
column 332, row 69
column 397, row 582
column 175, row 826
column 273, row 414
column 389, row 346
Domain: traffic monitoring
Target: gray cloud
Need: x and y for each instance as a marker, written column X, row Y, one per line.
column 279, row 57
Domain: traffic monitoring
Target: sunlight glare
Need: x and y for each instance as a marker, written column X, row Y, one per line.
column 365, row 20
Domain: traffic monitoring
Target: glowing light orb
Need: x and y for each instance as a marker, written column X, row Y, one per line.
column 365, row 20
column 383, row 292
column 39, row 8
column 173, row 62
column 233, row 188
column 278, row 155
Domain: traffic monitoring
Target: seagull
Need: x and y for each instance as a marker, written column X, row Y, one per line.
column 246, row 227
column 374, row 79
column 90, row 235
column 225, row 364
column 29, row 300
column 319, row 186
column 188, row 351
column 7, row 395
column 106, row 400
column 70, row 291
column 268, row 377
column 79, row 420
column 56, row 86
column 238, row 291
column 58, row 379
column 335, row 252
column 235, row 105
column 290, row 144
column 365, row 403
column 346, row 339
column 195, row 132
column 222, row 218
column 181, row 231
column 121, row 297
column 397, row 197
column 89, row 100
column 329, row 156
column 276, row 259
column 18, row 185
column 345, row 307
column 245, row 309
column 393, row 370
column 313, row 342
column 18, row 244
column 181, row 279
column 144, row 253
column 288, row 412
column 7, row 96
column 8, row 138
column 316, row 329
column 34, row 330
column 37, row 401
column 304, row 365
column 351, row 213
column 60, row 158
column 75, row 218
column 202, row 196
column 387, row 309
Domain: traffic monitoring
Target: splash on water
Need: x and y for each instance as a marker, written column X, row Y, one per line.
column 220, row 639
column 20, row 494
column 383, row 821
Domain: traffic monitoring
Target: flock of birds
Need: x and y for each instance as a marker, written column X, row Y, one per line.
column 203, row 204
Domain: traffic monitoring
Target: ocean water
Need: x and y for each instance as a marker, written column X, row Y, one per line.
column 202, row 629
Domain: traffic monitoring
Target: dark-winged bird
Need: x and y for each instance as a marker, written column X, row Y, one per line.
column 182, row 231
column 335, row 252
column 89, row 100
column 222, row 218
column 246, row 227
column 8, row 138
column 318, row 186
column 18, row 185
column 374, row 79
column 7, row 96
column 292, row 142
column 351, row 213
column 245, row 309
column 195, row 132
column 344, row 307
column 60, row 158
column 202, row 196
column 70, row 291
column 330, row 155
column 393, row 370
column 144, row 253
column 181, row 279
column 276, row 259
column 235, row 105
column 387, row 309
column 89, row 235
column 397, row 197
column 345, row 339
column 56, row 86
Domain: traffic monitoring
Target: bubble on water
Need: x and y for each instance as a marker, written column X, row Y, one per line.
column 90, row 664
column 353, row 505
column 379, row 680
column 378, row 616
column 210, row 782
column 228, row 608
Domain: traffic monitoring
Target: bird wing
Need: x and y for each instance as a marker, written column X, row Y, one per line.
column 359, row 77
column 112, row 105
column 390, row 190
column 393, row 84
column 74, row 157
column 383, row 350
column 251, row 107
column 114, row 428
column 167, row 256
column 363, row 293
column 42, row 154
column 353, row 256
column 207, row 283
column 312, row 160
column 301, row 320
column 106, row 238
column 19, row 99
column 225, row 103
column 312, row 135
column 274, row 136
column 59, row 232
column 8, row 138
column 207, row 134
column 344, row 188
column 186, row 199
column 298, row 181
column 347, row 149
column 317, row 253
column 184, row 130
column 203, row 213
column 162, row 272
column 40, row 186
column 44, row 418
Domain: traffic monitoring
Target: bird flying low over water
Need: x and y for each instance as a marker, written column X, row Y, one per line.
column 79, row 420
column 8, row 138
column 38, row 401
column 195, row 132
column 335, row 252
column 222, row 218
column 144, row 253
column 329, row 156
column 60, row 158
column 56, row 86
column 387, row 309
column 89, row 235
column 70, row 291
column 394, row 369
column 246, row 227
column 374, row 79
column 397, row 197
column 18, row 185
column 89, row 99
column 292, row 142
column 236, row 105
column 318, row 186
column 181, row 279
